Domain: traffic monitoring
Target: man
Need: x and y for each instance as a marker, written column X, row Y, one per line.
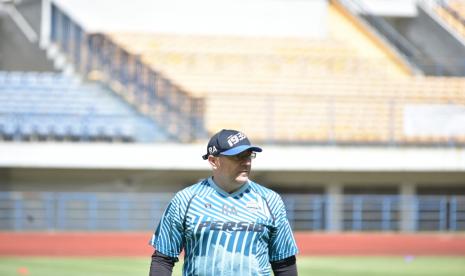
column 226, row 224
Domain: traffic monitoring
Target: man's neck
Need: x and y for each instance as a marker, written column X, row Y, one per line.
column 227, row 186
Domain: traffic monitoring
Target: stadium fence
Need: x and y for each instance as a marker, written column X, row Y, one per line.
column 86, row 211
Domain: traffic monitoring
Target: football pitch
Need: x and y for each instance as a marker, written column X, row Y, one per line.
column 312, row 266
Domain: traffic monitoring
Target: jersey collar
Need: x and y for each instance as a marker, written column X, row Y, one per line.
column 223, row 192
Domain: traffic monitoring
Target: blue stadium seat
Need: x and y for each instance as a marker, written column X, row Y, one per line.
column 53, row 106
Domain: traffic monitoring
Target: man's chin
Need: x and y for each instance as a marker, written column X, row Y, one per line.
column 242, row 178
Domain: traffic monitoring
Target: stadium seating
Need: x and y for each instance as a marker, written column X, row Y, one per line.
column 343, row 110
column 346, row 51
column 291, row 89
column 50, row 106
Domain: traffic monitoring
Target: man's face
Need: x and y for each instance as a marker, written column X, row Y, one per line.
column 236, row 168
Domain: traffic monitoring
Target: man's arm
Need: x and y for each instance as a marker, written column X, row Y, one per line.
column 168, row 237
column 285, row 267
column 161, row 265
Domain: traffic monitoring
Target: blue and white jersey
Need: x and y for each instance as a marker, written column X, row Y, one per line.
column 225, row 234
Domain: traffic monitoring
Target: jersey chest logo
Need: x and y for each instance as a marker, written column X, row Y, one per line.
column 253, row 206
column 228, row 210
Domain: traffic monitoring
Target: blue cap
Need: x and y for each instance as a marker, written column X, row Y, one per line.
column 229, row 142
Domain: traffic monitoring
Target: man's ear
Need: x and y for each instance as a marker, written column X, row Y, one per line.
column 214, row 162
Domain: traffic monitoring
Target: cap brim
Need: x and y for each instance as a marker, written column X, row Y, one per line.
column 240, row 149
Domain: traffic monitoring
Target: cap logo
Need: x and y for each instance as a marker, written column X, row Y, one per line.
column 236, row 138
column 212, row 150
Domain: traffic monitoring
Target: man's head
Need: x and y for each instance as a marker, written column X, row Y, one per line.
column 229, row 152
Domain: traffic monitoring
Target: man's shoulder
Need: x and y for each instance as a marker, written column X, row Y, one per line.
column 272, row 198
column 193, row 189
column 263, row 191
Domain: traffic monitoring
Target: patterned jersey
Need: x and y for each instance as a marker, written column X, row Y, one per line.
column 225, row 234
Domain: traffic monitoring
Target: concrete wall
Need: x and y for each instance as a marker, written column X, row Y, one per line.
column 16, row 52
column 67, row 180
column 95, row 180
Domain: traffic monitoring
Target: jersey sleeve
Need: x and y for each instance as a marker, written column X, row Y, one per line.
column 168, row 236
column 282, row 243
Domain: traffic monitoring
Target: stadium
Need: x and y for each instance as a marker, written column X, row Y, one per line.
column 106, row 108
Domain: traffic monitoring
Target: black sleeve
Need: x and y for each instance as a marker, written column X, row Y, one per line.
column 161, row 265
column 285, row 267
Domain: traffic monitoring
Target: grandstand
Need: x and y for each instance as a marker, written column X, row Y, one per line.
column 278, row 74
column 358, row 134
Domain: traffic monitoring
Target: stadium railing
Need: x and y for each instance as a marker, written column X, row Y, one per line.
column 67, row 211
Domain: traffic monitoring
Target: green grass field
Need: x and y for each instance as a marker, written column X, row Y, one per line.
column 312, row 266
